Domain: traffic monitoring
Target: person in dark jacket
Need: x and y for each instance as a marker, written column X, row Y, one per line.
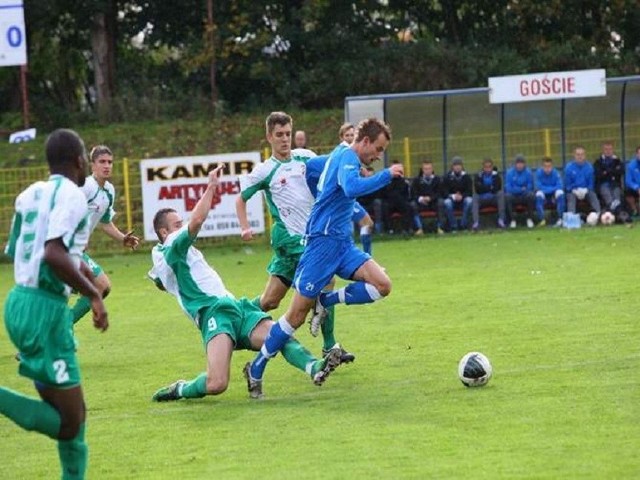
column 425, row 192
column 457, row 191
column 608, row 171
column 397, row 200
column 488, row 192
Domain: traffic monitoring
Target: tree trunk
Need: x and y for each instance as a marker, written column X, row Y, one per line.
column 103, row 49
column 211, row 37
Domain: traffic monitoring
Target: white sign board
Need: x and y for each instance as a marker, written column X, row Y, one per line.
column 13, row 38
column 23, row 136
column 548, row 86
column 179, row 183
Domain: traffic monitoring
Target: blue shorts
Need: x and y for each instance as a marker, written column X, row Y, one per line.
column 358, row 213
column 324, row 257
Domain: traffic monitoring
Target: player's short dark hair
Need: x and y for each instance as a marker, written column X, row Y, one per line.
column 371, row 128
column 546, row 159
column 487, row 161
column 64, row 146
column 99, row 150
column 277, row 118
column 160, row 220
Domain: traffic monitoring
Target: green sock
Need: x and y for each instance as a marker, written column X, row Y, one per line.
column 30, row 413
column 256, row 302
column 298, row 356
column 196, row 388
column 73, row 456
column 327, row 329
column 81, row 308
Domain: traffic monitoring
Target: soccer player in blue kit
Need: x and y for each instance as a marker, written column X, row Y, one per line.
column 330, row 249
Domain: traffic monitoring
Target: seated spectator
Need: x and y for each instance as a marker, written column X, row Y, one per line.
column 632, row 183
column 549, row 190
column 397, row 200
column 579, row 182
column 457, row 190
column 300, row 139
column 519, row 190
column 488, row 192
column 425, row 191
column 608, row 172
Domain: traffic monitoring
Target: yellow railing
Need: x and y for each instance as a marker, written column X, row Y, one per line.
column 410, row 151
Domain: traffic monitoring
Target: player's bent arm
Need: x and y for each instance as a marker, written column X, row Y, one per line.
column 201, row 210
column 56, row 255
column 241, row 212
column 127, row 239
column 355, row 186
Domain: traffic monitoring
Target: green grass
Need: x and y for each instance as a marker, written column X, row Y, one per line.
column 555, row 311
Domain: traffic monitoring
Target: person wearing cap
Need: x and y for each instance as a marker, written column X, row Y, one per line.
column 458, row 195
column 519, row 190
column 579, row 182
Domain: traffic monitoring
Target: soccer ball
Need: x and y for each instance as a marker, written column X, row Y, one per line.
column 592, row 219
column 474, row 370
column 607, row 218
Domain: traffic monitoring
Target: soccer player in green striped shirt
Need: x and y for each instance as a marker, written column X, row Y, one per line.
column 225, row 323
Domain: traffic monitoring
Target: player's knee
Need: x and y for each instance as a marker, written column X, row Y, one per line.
column 70, row 425
column 106, row 291
column 384, row 286
column 268, row 304
column 217, row 384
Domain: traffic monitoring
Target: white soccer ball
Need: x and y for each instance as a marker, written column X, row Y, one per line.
column 607, row 218
column 474, row 370
column 592, row 219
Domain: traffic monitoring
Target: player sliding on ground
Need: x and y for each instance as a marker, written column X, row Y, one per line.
column 330, row 249
column 225, row 323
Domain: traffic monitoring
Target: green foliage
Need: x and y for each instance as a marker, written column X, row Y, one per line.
column 556, row 316
column 307, row 53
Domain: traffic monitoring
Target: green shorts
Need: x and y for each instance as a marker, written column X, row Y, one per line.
column 284, row 266
column 287, row 250
column 95, row 268
column 39, row 324
column 235, row 317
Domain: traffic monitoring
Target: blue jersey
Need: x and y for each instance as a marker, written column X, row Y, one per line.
column 578, row 175
column 339, row 185
column 315, row 166
column 548, row 183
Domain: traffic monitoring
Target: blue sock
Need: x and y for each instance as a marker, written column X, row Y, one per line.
column 354, row 293
column 278, row 336
column 366, row 243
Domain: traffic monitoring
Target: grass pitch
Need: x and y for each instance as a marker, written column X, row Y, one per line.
column 555, row 311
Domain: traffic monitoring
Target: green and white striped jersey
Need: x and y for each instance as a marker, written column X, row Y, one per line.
column 285, row 187
column 100, row 201
column 181, row 269
column 45, row 211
